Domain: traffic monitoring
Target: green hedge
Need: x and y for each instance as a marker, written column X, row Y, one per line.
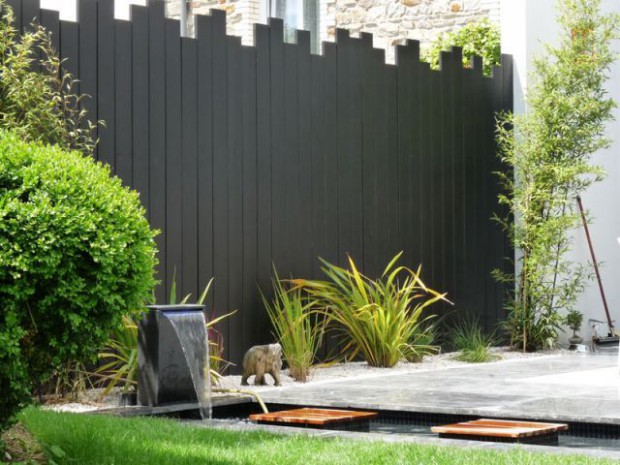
column 76, row 253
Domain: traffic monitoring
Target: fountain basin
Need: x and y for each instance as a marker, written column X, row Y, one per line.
column 172, row 355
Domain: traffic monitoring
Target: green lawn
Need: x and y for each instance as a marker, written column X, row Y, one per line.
column 102, row 440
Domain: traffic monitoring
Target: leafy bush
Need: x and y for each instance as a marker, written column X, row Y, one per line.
column 380, row 319
column 120, row 352
column 296, row 327
column 549, row 165
column 574, row 319
column 468, row 338
column 76, row 253
column 480, row 38
column 39, row 105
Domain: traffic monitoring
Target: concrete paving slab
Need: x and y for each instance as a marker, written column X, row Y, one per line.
column 570, row 387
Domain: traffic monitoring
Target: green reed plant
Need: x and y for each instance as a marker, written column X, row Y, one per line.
column 423, row 342
column 121, row 350
column 297, row 327
column 379, row 319
column 121, row 356
column 473, row 343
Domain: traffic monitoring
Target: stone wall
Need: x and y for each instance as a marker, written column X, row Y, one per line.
column 393, row 21
column 241, row 15
column 390, row 21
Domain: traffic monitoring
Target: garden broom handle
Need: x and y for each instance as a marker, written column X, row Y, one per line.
column 598, row 274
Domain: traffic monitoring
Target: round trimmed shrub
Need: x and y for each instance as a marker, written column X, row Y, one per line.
column 76, row 253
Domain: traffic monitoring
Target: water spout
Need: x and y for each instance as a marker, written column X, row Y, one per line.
column 173, row 357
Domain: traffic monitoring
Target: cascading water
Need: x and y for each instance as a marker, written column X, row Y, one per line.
column 173, row 357
column 192, row 338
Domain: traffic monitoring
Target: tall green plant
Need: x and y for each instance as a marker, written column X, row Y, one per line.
column 296, row 326
column 480, row 38
column 473, row 343
column 380, row 319
column 38, row 99
column 549, row 155
column 120, row 354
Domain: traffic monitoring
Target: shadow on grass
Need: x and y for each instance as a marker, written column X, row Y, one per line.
column 97, row 439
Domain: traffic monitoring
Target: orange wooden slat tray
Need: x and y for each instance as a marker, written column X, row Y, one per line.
column 312, row 416
column 500, row 428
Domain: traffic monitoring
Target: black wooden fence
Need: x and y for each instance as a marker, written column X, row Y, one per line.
column 251, row 156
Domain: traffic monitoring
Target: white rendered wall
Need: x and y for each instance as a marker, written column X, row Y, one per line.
column 68, row 8
column 526, row 25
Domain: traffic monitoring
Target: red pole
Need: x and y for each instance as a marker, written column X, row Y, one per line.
column 595, row 263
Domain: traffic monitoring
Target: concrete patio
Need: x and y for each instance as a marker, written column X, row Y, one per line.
column 569, row 387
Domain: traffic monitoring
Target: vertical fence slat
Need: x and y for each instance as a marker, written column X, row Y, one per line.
column 174, row 154
column 457, row 280
column 235, row 196
column 50, row 20
column 189, row 205
column 16, row 6
column 250, row 201
column 349, row 148
column 290, row 217
column 204, row 97
column 370, row 154
column 70, row 50
column 157, row 139
column 87, row 24
column 123, row 102
column 392, row 242
column 140, row 101
column 220, row 170
column 262, row 40
column 305, row 255
column 31, row 12
column 105, row 80
column 276, row 92
column 476, row 154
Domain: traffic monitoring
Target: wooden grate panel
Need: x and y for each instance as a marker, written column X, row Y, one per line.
column 312, row 416
column 500, row 428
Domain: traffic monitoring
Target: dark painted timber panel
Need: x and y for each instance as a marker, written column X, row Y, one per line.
column 249, row 158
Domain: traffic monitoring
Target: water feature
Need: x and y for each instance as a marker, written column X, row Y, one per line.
column 173, row 357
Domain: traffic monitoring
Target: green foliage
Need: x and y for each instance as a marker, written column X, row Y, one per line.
column 109, row 440
column 380, row 319
column 480, row 38
column 467, row 337
column 574, row 319
column 121, row 358
column 121, row 350
column 296, row 327
column 549, row 159
column 39, row 106
column 76, row 253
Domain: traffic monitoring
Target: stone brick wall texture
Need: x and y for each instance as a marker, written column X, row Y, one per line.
column 391, row 22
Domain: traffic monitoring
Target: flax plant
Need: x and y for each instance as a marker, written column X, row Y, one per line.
column 297, row 327
column 380, row 319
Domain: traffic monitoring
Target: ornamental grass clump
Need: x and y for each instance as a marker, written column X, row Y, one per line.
column 76, row 254
column 473, row 343
column 297, row 327
column 379, row 319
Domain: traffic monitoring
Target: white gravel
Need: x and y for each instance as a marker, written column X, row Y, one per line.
column 92, row 399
